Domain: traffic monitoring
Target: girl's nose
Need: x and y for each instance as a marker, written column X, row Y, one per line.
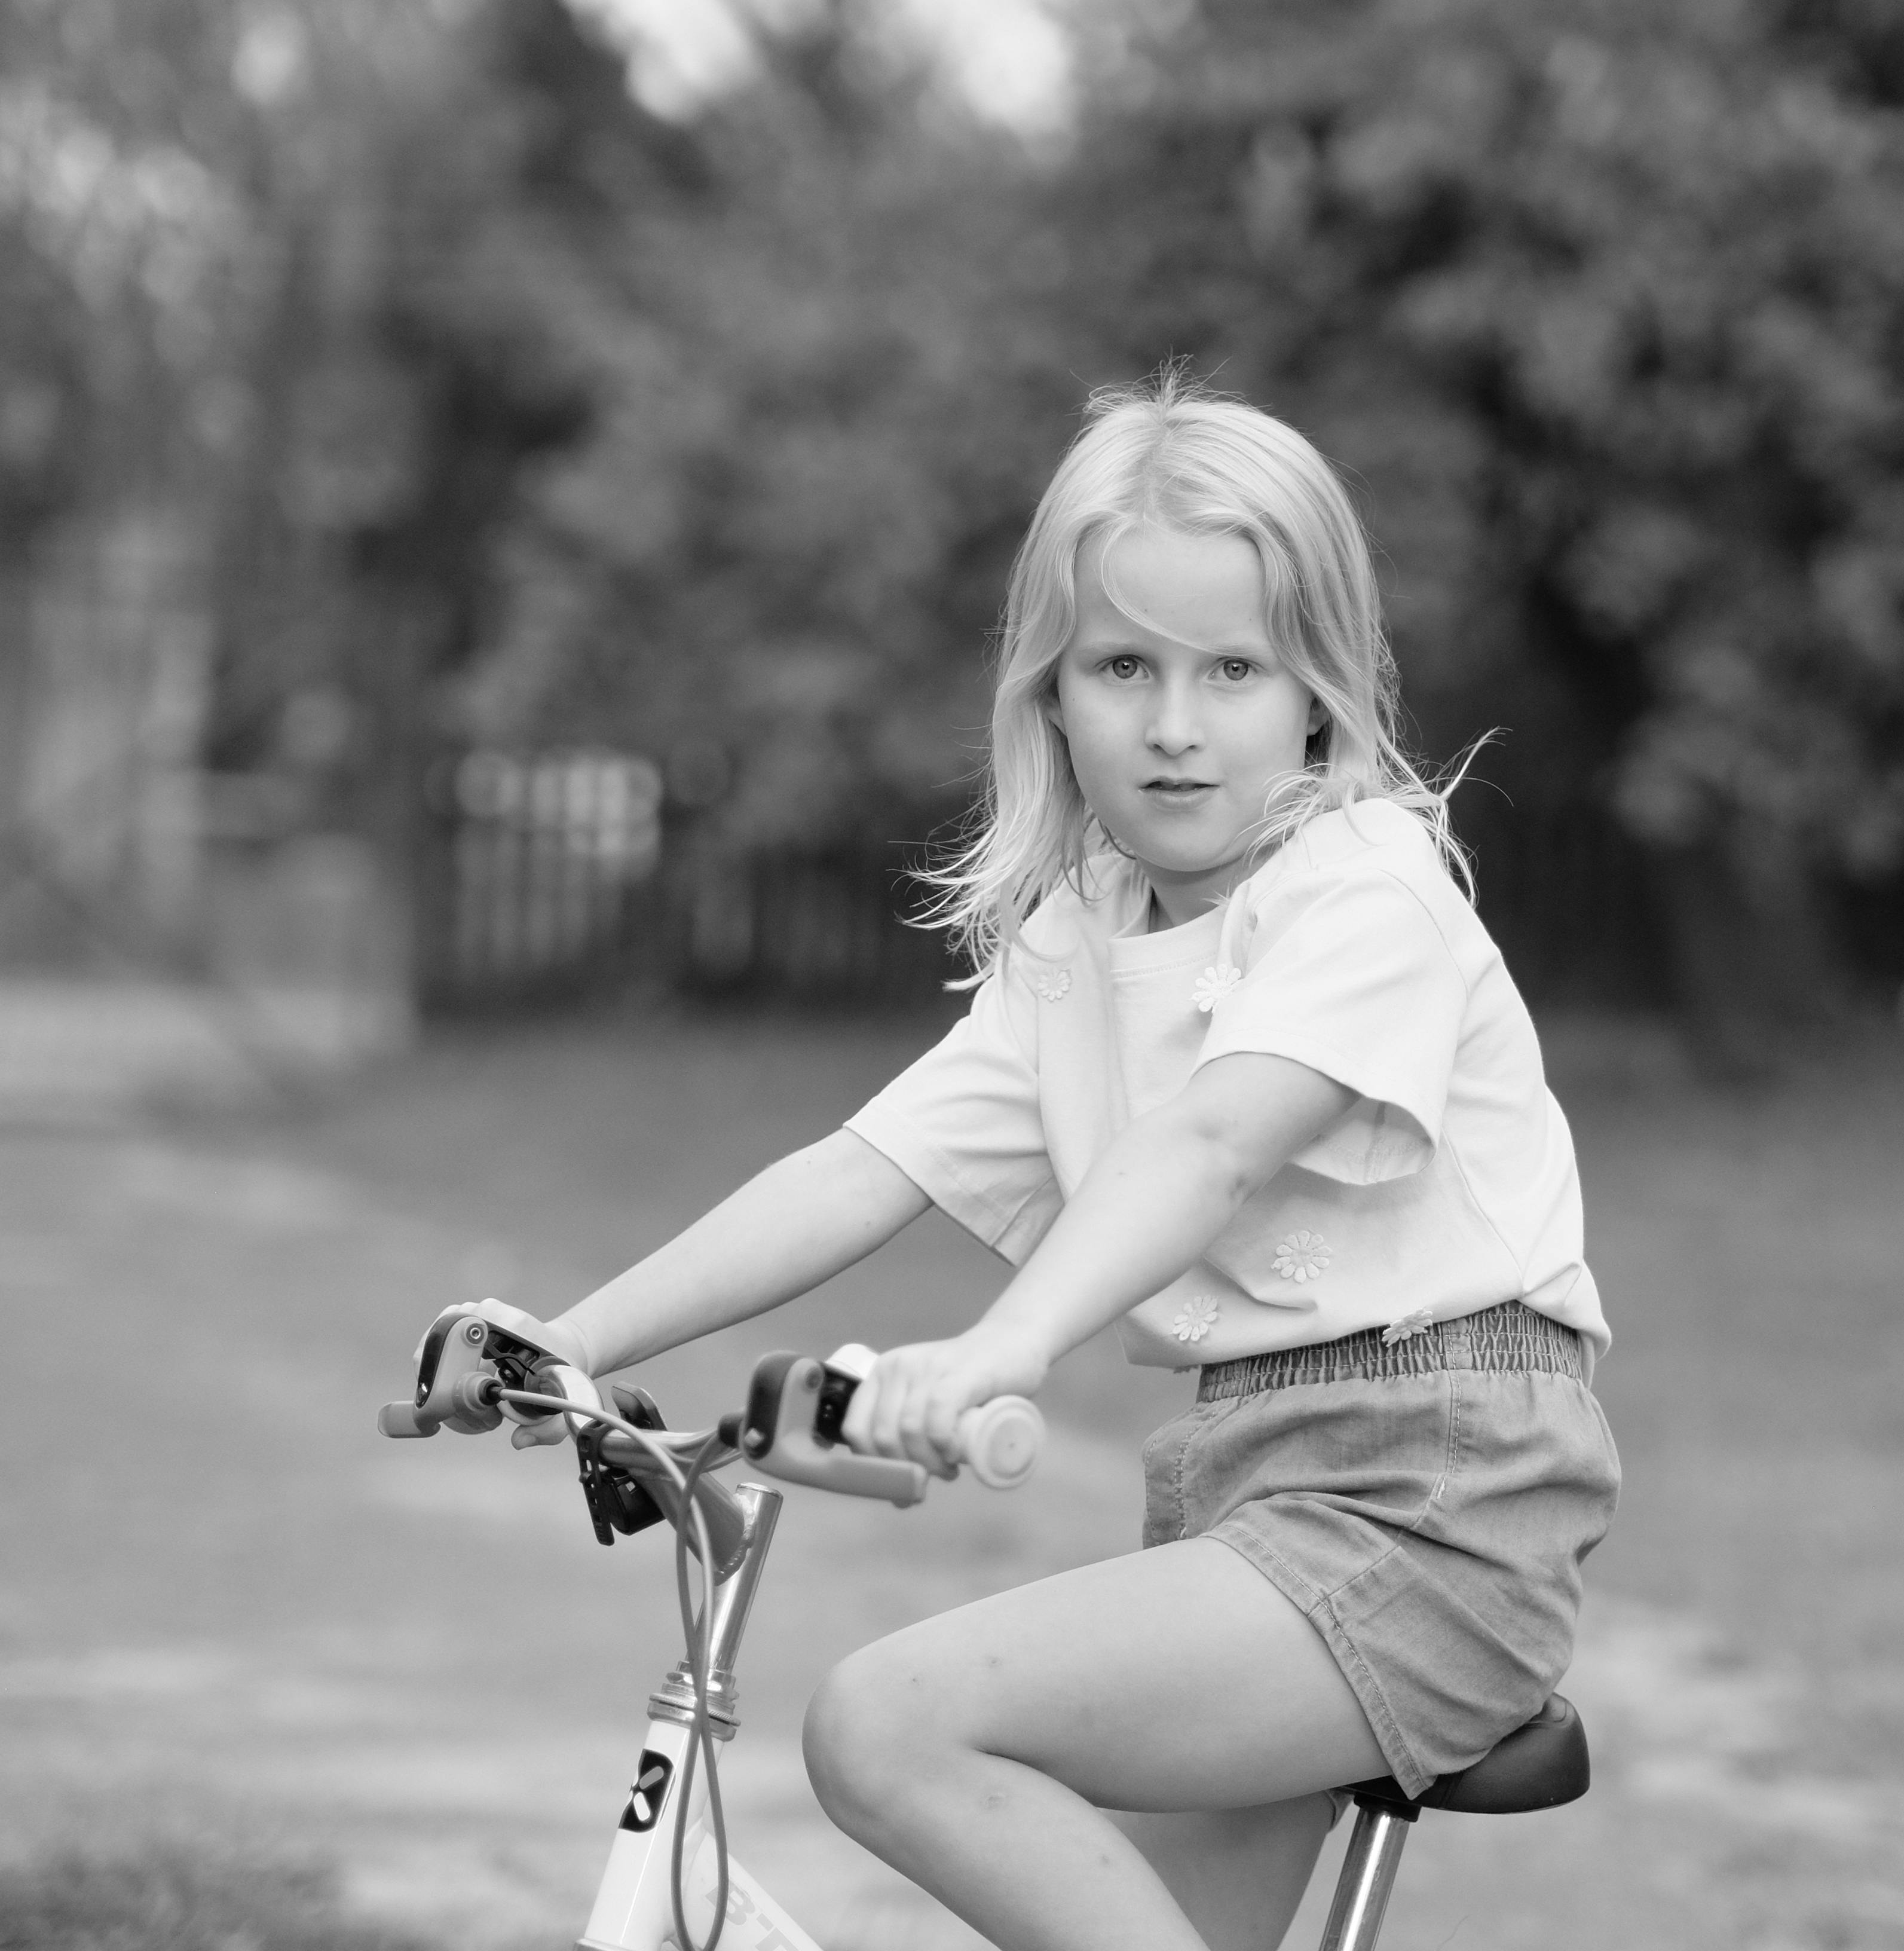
column 1174, row 726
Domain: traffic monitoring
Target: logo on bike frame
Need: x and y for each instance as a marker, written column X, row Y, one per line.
column 650, row 1791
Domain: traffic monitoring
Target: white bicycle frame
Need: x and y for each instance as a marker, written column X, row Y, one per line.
column 634, row 1910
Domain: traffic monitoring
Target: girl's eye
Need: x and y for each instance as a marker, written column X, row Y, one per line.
column 1123, row 667
column 1237, row 669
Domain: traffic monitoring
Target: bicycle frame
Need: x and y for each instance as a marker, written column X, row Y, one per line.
column 633, row 1910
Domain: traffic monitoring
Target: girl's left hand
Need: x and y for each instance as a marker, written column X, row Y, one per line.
column 910, row 1405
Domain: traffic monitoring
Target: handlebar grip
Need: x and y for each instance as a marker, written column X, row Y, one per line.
column 399, row 1418
column 1000, row 1439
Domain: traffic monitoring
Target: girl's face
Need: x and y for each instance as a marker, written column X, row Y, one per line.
column 1180, row 725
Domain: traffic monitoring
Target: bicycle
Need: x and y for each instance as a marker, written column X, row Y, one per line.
column 670, row 1879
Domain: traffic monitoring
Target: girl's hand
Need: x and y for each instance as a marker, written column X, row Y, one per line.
column 910, row 1405
column 565, row 1345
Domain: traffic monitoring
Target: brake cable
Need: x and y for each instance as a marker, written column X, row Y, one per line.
column 699, row 1634
column 700, row 1655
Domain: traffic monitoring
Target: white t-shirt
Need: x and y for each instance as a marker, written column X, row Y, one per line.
column 1449, row 1186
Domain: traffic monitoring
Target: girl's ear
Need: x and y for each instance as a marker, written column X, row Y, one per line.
column 1318, row 717
column 1053, row 708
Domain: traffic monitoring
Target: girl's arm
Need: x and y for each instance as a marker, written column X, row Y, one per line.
column 798, row 1224
column 1169, row 1182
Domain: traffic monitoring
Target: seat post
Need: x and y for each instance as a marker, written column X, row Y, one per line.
column 1540, row 1766
column 1374, row 1854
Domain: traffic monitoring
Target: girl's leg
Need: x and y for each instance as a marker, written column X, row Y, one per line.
column 977, row 1753
column 1237, row 1874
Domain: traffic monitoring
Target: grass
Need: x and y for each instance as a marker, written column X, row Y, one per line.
column 180, row 1899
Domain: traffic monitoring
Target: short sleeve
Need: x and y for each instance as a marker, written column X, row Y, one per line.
column 963, row 1124
column 1351, row 975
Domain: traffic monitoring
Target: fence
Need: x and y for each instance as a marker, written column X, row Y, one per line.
column 541, row 872
column 557, row 880
column 816, row 926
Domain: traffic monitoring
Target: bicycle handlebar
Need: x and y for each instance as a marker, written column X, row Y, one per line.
column 795, row 1408
column 480, row 1364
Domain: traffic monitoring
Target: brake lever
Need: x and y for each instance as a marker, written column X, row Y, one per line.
column 466, row 1349
column 781, row 1432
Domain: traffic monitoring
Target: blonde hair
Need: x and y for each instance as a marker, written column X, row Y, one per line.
column 1173, row 454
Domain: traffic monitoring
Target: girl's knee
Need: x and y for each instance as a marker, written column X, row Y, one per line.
column 870, row 1725
column 827, row 1740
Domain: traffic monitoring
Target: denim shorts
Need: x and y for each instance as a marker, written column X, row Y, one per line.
column 1426, row 1505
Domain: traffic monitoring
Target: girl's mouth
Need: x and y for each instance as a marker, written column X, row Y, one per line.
column 1177, row 792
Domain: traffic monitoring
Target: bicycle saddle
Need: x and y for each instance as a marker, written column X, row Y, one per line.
column 1538, row 1766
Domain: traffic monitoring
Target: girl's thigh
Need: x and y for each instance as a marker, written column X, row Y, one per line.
column 1177, row 1678
column 1238, row 1874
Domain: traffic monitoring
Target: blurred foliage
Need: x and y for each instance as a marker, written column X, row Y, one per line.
column 119, row 250
column 506, row 410
column 227, row 216
column 826, row 394
column 1606, row 304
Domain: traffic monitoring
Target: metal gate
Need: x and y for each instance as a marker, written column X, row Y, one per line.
column 559, row 875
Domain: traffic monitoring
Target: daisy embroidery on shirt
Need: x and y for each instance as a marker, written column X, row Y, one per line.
column 1055, row 986
column 1214, row 985
column 1419, row 1323
column 1195, row 1319
column 1301, row 1257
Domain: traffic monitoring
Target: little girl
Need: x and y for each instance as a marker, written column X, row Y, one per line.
column 1246, row 1075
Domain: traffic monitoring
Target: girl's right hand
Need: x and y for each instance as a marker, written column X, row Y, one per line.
column 910, row 1405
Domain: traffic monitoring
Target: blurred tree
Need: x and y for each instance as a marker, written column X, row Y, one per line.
column 523, row 414
column 272, row 266
column 1606, row 301
column 120, row 272
column 409, row 365
column 828, row 392
column 120, row 250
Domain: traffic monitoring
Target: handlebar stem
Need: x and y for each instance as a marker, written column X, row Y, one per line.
column 732, row 1600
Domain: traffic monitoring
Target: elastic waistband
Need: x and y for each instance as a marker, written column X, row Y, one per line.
column 1509, row 1337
